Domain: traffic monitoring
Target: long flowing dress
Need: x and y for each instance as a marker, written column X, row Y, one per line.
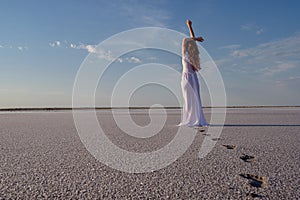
column 192, row 113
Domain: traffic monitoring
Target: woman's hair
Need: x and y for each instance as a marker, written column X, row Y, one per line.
column 191, row 48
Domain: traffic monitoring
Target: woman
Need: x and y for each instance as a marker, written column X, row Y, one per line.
column 192, row 114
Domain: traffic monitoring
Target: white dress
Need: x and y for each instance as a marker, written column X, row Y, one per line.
column 192, row 113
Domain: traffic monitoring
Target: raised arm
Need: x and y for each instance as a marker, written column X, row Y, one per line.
column 192, row 35
column 189, row 24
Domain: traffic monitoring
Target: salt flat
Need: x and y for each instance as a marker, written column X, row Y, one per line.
column 42, row 156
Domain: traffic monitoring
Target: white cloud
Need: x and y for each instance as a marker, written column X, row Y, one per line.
column 252, row 28
column 102, row 54
column 56, row 43
column 22, row 48
column 73, row 46
column 91, row 48
column 133, row 59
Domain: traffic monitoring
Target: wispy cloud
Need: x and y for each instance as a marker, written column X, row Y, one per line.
column 252, row 28
column 279, row 67
column 152, row 58
column 280, row 49
column 19, row 47
column 271, row 58
column 231, row 46
column 149, row 13
column 287, row 81
column 294, row 78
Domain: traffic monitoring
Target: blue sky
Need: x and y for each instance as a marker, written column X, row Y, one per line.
column 255, row 44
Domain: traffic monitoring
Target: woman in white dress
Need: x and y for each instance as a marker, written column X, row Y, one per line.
column 192, row 113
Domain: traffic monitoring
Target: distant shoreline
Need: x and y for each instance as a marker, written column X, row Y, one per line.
column 110, row 108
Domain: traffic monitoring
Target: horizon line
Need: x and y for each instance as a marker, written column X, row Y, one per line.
column 131, row 107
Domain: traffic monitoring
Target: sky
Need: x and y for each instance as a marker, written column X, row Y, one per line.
column 255, row 45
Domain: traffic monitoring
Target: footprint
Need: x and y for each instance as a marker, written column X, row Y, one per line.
column 229, row 146
column 216, row 139
column 247, row 158
column 257, row 181
column 254, row 177
column 254, row 195
column 199, row 128
column 258, row 184
column 206, row 134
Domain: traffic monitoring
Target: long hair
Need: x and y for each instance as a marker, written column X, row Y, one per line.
column 191, row 48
